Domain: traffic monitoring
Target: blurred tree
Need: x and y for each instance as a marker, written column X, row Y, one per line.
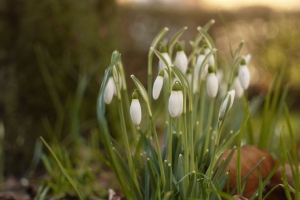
column 71, row 38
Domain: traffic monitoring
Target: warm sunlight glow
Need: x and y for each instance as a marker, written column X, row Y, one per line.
column 225, row 4
column 232, row 4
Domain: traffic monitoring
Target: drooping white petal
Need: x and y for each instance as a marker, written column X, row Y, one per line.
column 181, row 61
column 135, row 112
column 161, row 64
column 175, row 103
column 244, row 76
column 238, row 88
column 157, row 86
column 247, row 58
column 109, row 90
column 212, row 85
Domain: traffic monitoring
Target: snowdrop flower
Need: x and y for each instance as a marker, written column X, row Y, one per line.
column 158, row 83
column 181, row 60
column 135, row 109
column 176, row 100
column 161, row 64
column 244, row 75
column 109, row 90
column 238, row 88
column 212, row 83
column 226, row 104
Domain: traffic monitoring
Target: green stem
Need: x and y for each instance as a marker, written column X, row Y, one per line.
column 191, row 143
column 150, row 78
column 201, row 117
column 170, row 137
column 170, row 132
column 186, row 146
column 126, row 142
column 161, row 166
column 210, row 115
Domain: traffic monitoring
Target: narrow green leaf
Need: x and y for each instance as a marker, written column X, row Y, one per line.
column 191, row 186
column 267, row 179
column 66, row 174
column 161, row 57
column 159, row 36
column 207, row 37
column 126, row 173
column 174, row 40
column 153, row 174
column 180, row 175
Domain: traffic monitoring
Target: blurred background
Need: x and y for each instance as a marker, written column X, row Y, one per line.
column 53, row 54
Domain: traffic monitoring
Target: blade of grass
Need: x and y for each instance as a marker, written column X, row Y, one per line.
column 72, row 182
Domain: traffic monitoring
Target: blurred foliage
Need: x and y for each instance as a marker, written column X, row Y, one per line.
column 271, row 37
column 74, row 38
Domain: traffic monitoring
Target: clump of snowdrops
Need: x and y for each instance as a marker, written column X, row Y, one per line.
column 188, row 164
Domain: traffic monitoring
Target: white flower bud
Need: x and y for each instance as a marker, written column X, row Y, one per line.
column 109, row 90
column 244, row 76
column 181, row 61
column 176, row 100
column 157, row 86
column 212, row 85
column 135, row 109
column 238, row 88
column 226, row 104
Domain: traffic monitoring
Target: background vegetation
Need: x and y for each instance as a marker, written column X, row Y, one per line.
column 50, row 48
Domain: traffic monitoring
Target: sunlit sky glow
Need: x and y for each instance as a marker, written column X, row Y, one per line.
column 226, row 4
